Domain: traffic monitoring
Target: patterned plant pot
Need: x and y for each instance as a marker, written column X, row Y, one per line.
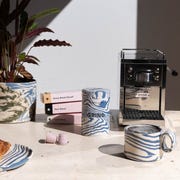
column 17, row 102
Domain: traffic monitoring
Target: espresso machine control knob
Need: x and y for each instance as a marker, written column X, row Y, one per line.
column 130, row 76
column 157, row 71
column 156, row 78
column 130, row 69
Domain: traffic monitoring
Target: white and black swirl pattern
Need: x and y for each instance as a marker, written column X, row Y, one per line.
column 91, row 126
column 16, row 157
column 144, row 150
column 147, row 142
column 95, row 111
column 144, row 145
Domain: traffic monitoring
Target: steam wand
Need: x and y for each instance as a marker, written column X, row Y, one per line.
column 172, row 71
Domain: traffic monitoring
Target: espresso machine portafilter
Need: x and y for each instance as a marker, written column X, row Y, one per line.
column 142, row 87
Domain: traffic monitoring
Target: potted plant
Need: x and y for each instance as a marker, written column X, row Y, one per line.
column 17, row 86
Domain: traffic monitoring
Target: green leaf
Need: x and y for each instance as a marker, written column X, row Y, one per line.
column 22, row 56
column 45, row 13
column 32, row 26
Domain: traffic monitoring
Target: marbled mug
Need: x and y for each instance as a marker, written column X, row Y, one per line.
column 147, row 142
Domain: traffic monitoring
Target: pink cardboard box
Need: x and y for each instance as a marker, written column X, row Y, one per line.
column 65, row 119
column 62, row 108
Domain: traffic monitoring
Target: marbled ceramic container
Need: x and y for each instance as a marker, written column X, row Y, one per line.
column 147, row 142
column 17, row 102
column 95, row 111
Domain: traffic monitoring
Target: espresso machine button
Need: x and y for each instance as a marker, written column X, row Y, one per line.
column 130, row 77
column 157, row 70
column 130, row 69
column 156, row 78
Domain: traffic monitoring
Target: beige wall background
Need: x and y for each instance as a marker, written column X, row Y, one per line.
column 158, row 27
column 97, row 30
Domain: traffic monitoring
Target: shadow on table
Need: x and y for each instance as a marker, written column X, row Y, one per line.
column 114, row 122
column 113, row 150
column 40, row 118
column 65, row 127
column 114, row 157
column 72, row 128
column 57, row 123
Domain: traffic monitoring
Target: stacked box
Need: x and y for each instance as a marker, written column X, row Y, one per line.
column 63, row 107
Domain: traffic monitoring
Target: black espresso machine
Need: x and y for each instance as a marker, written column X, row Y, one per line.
column 142, row 87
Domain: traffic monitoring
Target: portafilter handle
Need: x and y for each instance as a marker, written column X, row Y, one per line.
column 172, row 71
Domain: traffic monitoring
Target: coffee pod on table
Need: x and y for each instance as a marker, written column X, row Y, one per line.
column 95, row 111
column 61, row 139
column 50, row 138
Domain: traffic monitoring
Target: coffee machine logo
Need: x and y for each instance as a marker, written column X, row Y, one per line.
column 142, row 95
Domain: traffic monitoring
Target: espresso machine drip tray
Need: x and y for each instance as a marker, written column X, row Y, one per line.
column 142, row 114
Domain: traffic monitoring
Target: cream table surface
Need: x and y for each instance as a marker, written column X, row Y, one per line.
column 85, row 158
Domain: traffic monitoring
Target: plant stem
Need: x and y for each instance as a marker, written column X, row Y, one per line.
column 29, row 50
column 16, row 20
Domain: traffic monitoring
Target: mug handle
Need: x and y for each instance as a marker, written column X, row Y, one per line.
column 172, row 137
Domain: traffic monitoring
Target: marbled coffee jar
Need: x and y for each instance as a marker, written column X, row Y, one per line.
column 95, row 111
